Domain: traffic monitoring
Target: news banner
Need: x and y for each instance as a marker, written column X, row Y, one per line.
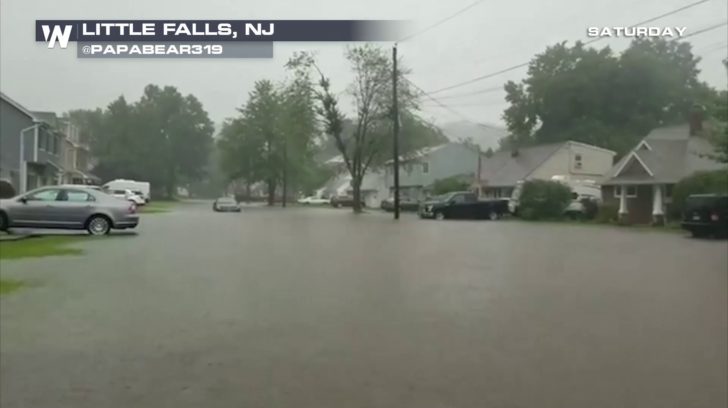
column 202, row 38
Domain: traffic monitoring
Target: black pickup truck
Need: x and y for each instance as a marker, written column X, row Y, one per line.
column 462, row 205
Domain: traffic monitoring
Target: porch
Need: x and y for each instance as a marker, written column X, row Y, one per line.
column 639, row 203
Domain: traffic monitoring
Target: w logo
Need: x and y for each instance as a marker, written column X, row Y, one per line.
column 59, row 33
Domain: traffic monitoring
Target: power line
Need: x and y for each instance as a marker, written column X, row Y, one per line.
column 446, row 19
column 705, row 30
column 486, row 76
column 649, row 20
column 491, row 103
column 478, row 92
column 451, row 110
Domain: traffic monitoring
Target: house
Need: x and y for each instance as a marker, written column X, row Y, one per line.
column 641, row 183
column 75, row 153
column 420, row 169
column 373, row 186
column 500, row 173
column 31, row 154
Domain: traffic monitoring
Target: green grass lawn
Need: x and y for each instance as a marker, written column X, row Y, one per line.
column 9, row 285
column 154, row 207
column 38, row 247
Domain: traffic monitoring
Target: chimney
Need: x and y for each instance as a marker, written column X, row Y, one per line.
column 696, row 120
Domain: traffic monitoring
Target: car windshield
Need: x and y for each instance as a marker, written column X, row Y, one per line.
column 443, row 197
column 696, row 202
column 226, row 200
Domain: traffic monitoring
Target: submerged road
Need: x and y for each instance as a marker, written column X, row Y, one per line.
column 321, row 308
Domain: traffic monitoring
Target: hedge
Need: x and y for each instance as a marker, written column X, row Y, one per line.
column 542, row 199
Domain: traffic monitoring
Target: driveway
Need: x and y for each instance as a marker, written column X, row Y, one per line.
column 321, row 308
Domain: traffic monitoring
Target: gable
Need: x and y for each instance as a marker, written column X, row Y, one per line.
column 634, row 168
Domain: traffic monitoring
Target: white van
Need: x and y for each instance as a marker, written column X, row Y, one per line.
column 140, row 188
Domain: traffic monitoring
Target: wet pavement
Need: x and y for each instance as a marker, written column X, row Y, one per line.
column 321, row 308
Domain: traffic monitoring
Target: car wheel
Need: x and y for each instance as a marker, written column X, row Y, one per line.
column 98, row 225
column 493, row 216
column 439, row 215
column 3, row 222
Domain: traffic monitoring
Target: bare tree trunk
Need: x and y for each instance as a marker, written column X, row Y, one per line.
column 356, row 189
column 271, row 192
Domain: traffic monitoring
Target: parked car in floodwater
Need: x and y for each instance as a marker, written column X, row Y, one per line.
column 462, row 205
column 706, row 214
column 313, row 200
column 68, row 208
column 405, row 204
column 225, row 204
column 343, row 201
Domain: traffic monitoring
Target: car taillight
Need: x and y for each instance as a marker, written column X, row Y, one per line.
column 714, row 217
column 132, row 208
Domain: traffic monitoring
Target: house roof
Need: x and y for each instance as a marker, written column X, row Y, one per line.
column 502, row 169
column 667, row 155
column 47, row 117
column 421, row 152
column 17, row 106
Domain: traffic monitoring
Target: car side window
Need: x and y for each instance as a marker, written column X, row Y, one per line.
column 78, row 196
column 458, row 198
column 44, row 195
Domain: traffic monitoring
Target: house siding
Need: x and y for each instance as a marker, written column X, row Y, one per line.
column 595, row 163
column 12, row 122
column 451, row 160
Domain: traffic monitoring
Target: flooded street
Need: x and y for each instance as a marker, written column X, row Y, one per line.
column 321, row 308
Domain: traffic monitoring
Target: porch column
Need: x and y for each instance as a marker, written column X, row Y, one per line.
column 622, row 214
column 658, row 214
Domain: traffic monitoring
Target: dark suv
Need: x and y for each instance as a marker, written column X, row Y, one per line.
column 706, row 214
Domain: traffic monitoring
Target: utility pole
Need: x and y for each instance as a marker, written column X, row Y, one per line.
column 285, row 172
column 395, row 136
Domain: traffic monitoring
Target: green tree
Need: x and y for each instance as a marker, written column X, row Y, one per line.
column 597, row 97
column 164, row 138
column 369, row 143
column 298, row 126
column 177, row 133
column 272, row 139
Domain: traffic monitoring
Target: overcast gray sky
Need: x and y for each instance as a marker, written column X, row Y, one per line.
column 491, row 36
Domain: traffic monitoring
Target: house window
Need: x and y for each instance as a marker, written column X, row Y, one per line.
column 631, row 191
column 577, row 161
column 425, row 168
column 408, row 168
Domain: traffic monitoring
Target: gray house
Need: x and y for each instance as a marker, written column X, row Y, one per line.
column 640, row 184
column 31, row 149
column 419, row 170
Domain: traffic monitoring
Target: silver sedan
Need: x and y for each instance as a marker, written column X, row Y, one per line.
column 68, row 207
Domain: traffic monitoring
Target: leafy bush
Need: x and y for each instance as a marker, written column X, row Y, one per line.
column 450, row 184
column 607, row 214
column 591, row 208
column 698, row 183
column 541, row 199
